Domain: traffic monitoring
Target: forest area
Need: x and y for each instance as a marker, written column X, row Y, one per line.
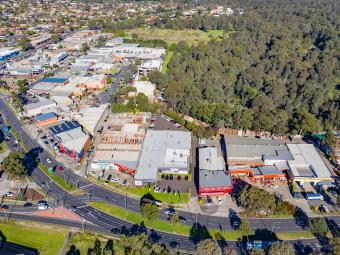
column 278, row 72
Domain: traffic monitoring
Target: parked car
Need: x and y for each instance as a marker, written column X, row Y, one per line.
column 42, row 207
column 28, row 204
column 115, row 180
column 324, row 208
column 48, row 160
column 169, row 211
column 59, row 168
column 157, row 189
column 4, row 208
column 219, row 200
column 42, row 202
column 9, row 194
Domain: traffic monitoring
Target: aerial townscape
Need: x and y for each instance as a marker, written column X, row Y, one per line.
column 160, row 127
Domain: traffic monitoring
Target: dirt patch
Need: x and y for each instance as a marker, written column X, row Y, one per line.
column 59, row 213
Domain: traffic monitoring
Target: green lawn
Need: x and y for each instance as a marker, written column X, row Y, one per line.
column 166, row 61
column 294, row 235
column 170, row 36
column 60, row 181
column 45, row 240
column 3, row 147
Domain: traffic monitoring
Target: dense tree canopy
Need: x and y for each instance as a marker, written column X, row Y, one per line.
column 13, row 164
column 277, row 70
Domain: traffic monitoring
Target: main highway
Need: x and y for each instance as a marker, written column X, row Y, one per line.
column 113, row 224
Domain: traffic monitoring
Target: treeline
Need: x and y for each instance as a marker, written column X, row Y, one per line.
column 278, row 72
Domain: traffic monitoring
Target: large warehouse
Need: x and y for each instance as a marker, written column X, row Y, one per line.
column 7, row 52
column 164, row 151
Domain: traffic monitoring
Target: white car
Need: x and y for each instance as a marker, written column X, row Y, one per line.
column 9, row 194
column 93, row 173
column 115, row 180
column 219, row 200
column 157, row 189
column 48, row 160
column 42, row 207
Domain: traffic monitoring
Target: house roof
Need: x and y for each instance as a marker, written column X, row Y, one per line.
column 266, row 170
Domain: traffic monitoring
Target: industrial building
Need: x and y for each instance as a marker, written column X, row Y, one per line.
column 46, row 85
column 255, row 151
column 307, row 165
column 120, row 144
column 91, row 118
column 71, row 139
column 152, row 64
column 46, row 119
column 8, row 52
column 40, row 107
column 213, row 179
column 133, row 51
column 164, row 151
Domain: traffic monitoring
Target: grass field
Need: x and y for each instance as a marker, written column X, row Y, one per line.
column 45, row 240
column 3, row 147
column 170, row 36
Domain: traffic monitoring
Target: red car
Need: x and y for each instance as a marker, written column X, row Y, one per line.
column 59, row 168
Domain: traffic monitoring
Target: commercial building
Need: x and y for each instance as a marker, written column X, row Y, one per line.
column 152, row 64
column 164, row 151
column 213, row 179
column 40, row 107
column 37, row 40
column 71, row 139
column 91, row 118
column 46, row 85
column 133, row 51
column 255, row 151
column 46, row 119
column 121, row 143
column 8, row 52
column 56, row 59
column 307, row 165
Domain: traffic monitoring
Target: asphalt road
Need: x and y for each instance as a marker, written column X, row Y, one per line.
column 113, row 224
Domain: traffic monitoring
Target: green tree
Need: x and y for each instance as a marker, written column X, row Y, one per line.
column 279, row 248
column 330, row 138
column 256, row 200
column 96, row 250
column 108, row 249
column 244, row 227
column 174, row 219
column 208, row 246
column 335, row 244
column 25, row 44
column 318, row 226
column 84, row 47
column 13, row 164
column 142, row 102
column 149, row 211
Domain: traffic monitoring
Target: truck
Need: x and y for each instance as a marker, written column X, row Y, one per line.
column 314, row 196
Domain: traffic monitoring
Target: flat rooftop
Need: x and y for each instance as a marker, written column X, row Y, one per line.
column 163, row 148
column 307, row 162
column 240, row 148
column 214, row 178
